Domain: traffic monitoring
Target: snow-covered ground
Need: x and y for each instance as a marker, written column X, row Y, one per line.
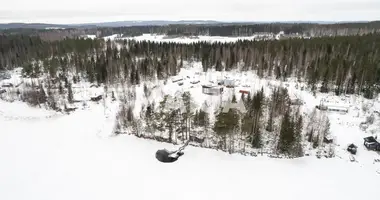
column 183, row 39
column 46, row 155
column 75, row 157
column 187, row 39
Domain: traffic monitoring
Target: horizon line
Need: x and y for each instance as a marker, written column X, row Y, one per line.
column 203, row 20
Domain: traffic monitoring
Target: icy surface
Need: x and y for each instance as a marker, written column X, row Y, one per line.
column 75, row 157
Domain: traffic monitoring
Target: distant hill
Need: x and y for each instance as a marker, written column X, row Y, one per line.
column 31, row 25
column 101, row 24
column 149, row 23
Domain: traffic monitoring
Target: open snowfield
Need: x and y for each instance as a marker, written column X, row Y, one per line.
column 45, row 156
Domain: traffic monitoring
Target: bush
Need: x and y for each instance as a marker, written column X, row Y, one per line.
column 34, row 97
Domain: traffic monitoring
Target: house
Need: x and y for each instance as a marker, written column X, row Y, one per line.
column 195, row 82
column 371, row 143
column 229, row 83
column 212, row 90
column 341, row 109
column 328, row 139
column 331, row 108
column 244, row 92
column 97, row 98
column 7, row 85
column 238, row 106
column 177, row 79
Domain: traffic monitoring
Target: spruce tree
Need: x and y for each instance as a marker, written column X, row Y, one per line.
column 70, row 96
column 297, row 146
column 287, row 138
column 269, row 126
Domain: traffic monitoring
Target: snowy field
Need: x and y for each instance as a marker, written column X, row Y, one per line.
column 60, row 157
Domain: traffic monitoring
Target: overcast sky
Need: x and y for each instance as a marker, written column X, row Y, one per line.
column 82, row 11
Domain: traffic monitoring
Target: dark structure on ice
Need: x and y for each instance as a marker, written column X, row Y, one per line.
column 166, row 156
column 371, row 143
column 352, row 148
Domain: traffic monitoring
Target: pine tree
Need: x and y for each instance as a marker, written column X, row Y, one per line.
column 242, row 97
column 203, row 119
column 70, row 96
column 130, row 114
column 196, row 118
column 186, row 98
column 149, row 117
column 233, row 98
column 60, row 88
column 256, row 111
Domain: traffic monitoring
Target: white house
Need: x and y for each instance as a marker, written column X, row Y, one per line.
column 212, row 90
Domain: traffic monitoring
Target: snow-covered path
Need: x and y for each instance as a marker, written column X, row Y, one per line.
column 63, row 157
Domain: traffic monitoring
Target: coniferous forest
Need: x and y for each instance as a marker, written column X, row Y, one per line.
column 348, row 62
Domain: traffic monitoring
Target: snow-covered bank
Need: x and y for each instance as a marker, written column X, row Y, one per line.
column 64, row 158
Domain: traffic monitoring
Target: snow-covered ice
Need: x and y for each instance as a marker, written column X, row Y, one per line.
column 76, row 157
column 185, row 39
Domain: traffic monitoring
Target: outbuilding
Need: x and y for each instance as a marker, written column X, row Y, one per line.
column 371, row 143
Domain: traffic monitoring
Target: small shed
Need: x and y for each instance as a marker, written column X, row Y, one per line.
column 371, row 143
column 328, row 139
column 352, row 148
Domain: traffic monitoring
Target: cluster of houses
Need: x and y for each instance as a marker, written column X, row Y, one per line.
column 219, row 88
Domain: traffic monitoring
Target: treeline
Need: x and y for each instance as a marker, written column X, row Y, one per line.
column 223, row 29
column 312, row 29
column 21, row 50
column 271, row 123
column 343, row 64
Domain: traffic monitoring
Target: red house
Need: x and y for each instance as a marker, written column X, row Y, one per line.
column 244, row 91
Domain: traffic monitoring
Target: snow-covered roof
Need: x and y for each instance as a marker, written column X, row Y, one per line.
column 342, row 108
